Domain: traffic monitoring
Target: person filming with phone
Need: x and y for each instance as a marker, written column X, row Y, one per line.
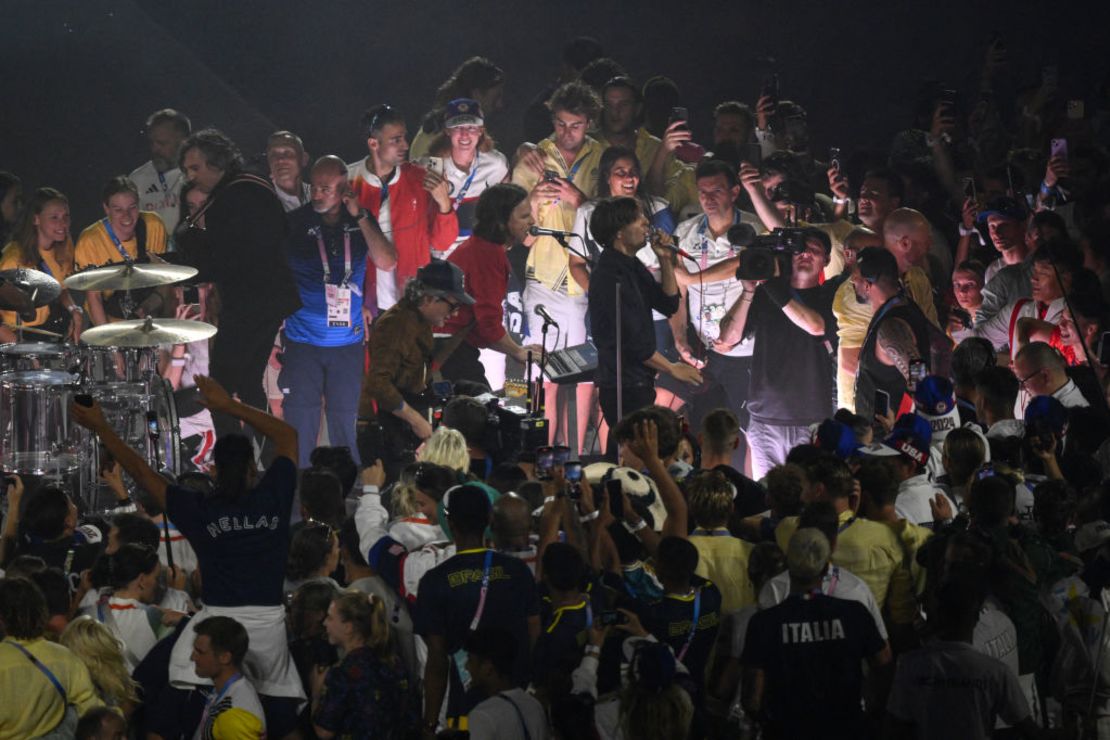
column 330, row 239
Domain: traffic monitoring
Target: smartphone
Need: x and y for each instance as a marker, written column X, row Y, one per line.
column 443, row 388
column 834, row 157
column 963, row 316
column 969, row 188
column 771, row 88
column 545, row 460
column 573, row 471
column 1058, row 148
column 678, row 113
column 948, row 98
column 754, row 154
column 615, row 493
column 191, row 295
column 561, row 454
column 610, row 617
column 882, row 403
column 1076, row 110
column 83, row 399
column 917, row 371
column 1104, row 349
column 433, row 164
column 550, row 175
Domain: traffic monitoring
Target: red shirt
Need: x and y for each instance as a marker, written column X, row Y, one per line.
column 486, row 270
column 416, row 224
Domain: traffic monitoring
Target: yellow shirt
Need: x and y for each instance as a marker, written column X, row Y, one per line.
column 920, row 289
column 852, row 320
column 547, row 259
column 59, row 269
column 30, row 705
column 909, row 584
column 868, row 549
column 723, row 559
column 96, row 249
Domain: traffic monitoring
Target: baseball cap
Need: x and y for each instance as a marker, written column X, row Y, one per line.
column 935, row 402
column 463, row 112
column 838, row 438
column 1091, row 535
column 1004, row 206
column 875, row 262
column 808, row 553
column 442, row 278
column 911, row 437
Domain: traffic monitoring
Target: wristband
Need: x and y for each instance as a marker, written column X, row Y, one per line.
column 594, row 650
column 967, row 232
column 74, row 308
column 589, row 517
column 638, row 526
column 177, row 362
column 841, row 201
column 369, row 488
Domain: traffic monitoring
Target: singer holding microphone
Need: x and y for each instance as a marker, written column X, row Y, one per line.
column 501, row 221
column 626, row 370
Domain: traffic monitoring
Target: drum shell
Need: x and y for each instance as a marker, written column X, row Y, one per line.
column 18, row 356
column 37, row 434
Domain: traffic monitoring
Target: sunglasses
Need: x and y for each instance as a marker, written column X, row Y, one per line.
column 385, row 111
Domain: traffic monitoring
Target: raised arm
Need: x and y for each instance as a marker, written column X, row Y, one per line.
column 92, row 418
column 219, row 401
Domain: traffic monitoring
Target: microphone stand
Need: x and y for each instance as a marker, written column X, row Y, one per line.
column 562, row 239
column 541, row 394
column 620, row 382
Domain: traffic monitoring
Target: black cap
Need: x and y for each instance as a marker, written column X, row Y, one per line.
column 442, row 278
column 876, row 262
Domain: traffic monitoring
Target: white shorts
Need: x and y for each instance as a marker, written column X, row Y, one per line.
column 568, row 311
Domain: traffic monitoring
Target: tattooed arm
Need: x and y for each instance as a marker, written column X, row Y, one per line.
column 897, row 346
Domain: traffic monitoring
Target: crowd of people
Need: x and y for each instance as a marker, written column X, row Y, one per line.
column 841, row 467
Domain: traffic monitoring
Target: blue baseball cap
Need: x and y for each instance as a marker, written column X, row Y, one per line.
column 463, row 112
column 935, row 401
column 911, row 437
column 837, row 438
column 1049, row 410
column 1004, row 206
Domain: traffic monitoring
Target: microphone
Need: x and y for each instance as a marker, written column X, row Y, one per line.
column 656, row 233
column 540, row 311
column 539, row 231
column 742, row 235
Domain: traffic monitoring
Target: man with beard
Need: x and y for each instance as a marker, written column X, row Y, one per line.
column 240, row 249
column 159, row 181
column 329, row 240
column 790, row 318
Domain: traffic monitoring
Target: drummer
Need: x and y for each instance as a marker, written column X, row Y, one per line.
column 125, row 233
column 41, row 241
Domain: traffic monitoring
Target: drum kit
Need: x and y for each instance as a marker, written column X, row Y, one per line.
column 116, row 364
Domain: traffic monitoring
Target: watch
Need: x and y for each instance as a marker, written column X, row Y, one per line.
column 74, row 308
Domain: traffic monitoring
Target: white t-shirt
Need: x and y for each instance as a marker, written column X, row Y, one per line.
column 838, row 582
column 293, row 202
column 130, row 621
column 708, row 304
column 949, row 689
column 160, row 194
column 497, row 719
column 913, row 498
column 238, row 713
column 489, row 169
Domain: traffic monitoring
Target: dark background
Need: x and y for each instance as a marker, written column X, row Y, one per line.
column 80, row 77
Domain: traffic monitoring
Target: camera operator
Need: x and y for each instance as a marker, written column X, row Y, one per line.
column 621, row 227
column 401, row 351
column 790, row 318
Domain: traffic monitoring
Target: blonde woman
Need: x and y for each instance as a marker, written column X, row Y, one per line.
column 102, row 653
column 446, row 447
column 368, row 693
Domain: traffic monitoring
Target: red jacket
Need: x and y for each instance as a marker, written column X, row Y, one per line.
column 486, row 269
column 416, row 224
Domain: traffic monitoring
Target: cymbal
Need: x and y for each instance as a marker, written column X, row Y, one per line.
column 132, row 276
column 37, row 287
column 147, row 333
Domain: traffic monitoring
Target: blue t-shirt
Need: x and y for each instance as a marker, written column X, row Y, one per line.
column 241, row 543
column 309, row 325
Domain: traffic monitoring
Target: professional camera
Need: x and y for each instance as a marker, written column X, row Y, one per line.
column 760, row 253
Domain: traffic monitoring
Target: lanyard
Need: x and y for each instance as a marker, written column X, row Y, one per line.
column 385, row 189
column 703, row 227
column 845, row 525
column 483, row 593
column 574, row 170
column 216, row 699
column 115, row 240
column 324, row 255
column 162, row 179
column 45, row 671
column 693, row 625
column 469, row 180
column 46, row 268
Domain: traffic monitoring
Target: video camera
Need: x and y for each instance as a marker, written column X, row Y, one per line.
column 760, row 253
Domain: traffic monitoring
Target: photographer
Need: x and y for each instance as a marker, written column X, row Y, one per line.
column 621, row 227
column 790, row 318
